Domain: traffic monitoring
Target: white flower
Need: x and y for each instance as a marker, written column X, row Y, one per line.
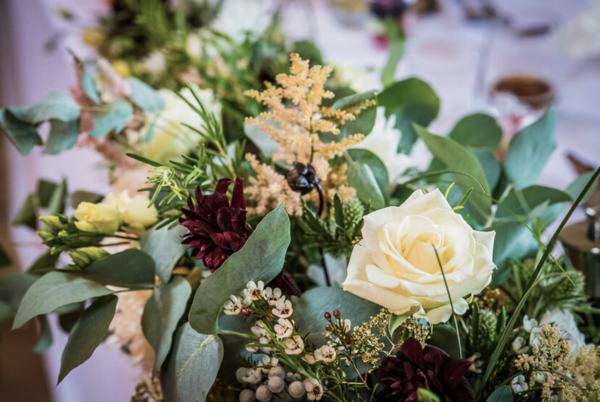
column 272, row 295
column 251, row 349
column 233, row 306
column 193, row 45
column 519, row 384
column 294, row 346
column 284, row 328
column 539, row 377
column 519, row 346
column 254, row 291
column 253, row 376
column 155, row 63
column 347, row 325
column 383, row 142
column 314, row 390
column 396, row 265
column 169, row 138
column 529, row 325
column 259, row 330
column 237, row 18
column 535, row 338
column 565, row 322
column 325, row 353
column 309, row 358
column 283, row 308
column 267, row 363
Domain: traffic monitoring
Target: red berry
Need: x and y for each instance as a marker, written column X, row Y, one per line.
column 328, row 316
column 247, row 312
column 337, row 314
column 329, row 328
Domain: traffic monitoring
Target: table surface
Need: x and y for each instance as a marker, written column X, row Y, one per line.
column 442, row 49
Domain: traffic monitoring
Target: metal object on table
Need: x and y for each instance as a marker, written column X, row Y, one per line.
column 531, row 90
column 581, row 242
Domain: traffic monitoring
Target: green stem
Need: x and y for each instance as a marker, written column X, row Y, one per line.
column 241, row 335
column 451, row 304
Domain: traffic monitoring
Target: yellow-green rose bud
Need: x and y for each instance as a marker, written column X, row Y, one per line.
column 45, row 236
column 53, row 223
column 84, row 256
column 138, row 216
column 101, row 218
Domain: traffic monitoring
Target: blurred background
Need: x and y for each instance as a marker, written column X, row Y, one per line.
column 509, row 58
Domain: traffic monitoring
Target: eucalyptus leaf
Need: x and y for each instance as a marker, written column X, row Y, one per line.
column 192, row 367
column 89, row 86
column 502, row 394
column 79, row 196
column 120, row 114
column 492, row 167
column 165, row 248
column 163, row 311
column 458, row 158
column 63, row 136
column 88, row 333
column 27, row 215
column 13, row 286
column 46, row 339
column 23, row 135
column 54, row 290
column 361, row 178
column 577, row 186
column 58, row 199
column 261, row 259
column 54, row 106
column 411, row 101
column 523, row 202
column 145, row 96
column 377, row 167
column 529, row 150
column 477, row 130
column 131, row 268
column 268, row 147
column 309, row 310
column 513, row 241
column 396, row 321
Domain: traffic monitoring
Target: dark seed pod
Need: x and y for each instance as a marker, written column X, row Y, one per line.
column 302, row 178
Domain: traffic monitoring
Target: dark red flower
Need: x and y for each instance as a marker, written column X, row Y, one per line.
column 430, row 368
column 216, row 229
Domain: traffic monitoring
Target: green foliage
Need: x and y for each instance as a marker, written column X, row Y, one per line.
column 54, row 290
column 88, row 333
column 46, row 338
column 412, row 101
column 13, row 286
column 261, row 259
column 267, row 146
column 457, row 158
column 425, row 395
column 120, row 113
column 161, row 315
column 336, row 236
column 492, row 167
column 502, row 394
column 477, row 130
column 139, row 272
column 23, row 135
column 145, row 97
column 369, row 177
column 365, row 119
column 165, row 248
column 192, row 353
column 376, row 166
column 513, row 241
column 576, row 187
column 396, row 38
column 529, row 150
column 63, row 136
column 530, row 202
column 54, row 106
column 444, row 337
column 309, row 310
column 89, row 85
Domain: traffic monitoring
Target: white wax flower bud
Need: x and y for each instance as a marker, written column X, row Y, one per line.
column 276, row 384
column 296, row 389
column 247, row 395
column 263, row 394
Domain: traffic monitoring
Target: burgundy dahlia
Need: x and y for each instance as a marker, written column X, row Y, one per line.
column 430, row 368
column 216, row 228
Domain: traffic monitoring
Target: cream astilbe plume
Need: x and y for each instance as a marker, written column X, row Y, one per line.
column 297, row 131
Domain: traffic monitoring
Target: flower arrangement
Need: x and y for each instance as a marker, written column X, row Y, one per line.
column 238, row 252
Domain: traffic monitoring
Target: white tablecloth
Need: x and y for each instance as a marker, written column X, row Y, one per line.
column 443, row 50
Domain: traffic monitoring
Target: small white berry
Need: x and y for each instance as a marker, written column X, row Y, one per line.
column 296, row 389
column 276, row 384
column 263, row 394
column 247, row 395
column 277, row 372
column 241, row 373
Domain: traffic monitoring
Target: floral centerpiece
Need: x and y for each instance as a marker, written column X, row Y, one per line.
column 310, row 266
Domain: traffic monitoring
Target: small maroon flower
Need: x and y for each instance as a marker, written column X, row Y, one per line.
column 216, row 228
column 247, row 312
column 416, row 367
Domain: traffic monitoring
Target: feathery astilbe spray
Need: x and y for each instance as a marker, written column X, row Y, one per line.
column 297, row 132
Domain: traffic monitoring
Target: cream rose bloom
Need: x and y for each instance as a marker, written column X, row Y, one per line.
column 99, row 218
column 396, row 267
column 136, row 214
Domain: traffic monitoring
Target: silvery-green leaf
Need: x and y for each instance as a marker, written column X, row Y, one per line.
column 120, row 114
column 165, row 248
column 145, row 96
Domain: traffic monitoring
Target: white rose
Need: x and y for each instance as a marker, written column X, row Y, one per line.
column 170, row 139
column 396, row 265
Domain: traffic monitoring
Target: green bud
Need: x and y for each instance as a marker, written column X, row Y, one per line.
column 53, row 223
column 80, row 259
column 46, row 236
column 354, row 211
column 56, row 250
column 64, row 235
column 425, row 395
column 84, row 256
